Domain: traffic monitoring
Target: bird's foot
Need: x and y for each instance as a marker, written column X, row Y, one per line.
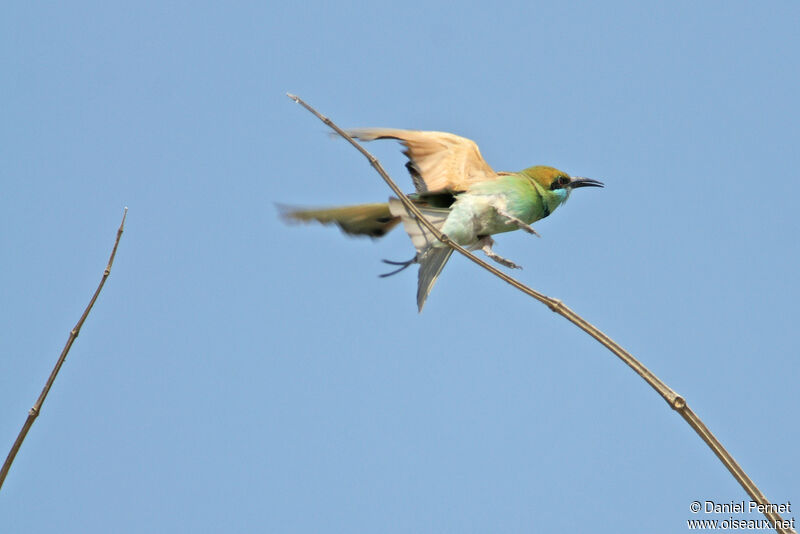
column 514, row 220
column 403, row 265
column 487, row 249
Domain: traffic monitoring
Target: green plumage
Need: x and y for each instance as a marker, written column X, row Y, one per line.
column 459, row 193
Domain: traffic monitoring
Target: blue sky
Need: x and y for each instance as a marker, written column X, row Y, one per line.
column 241, row 375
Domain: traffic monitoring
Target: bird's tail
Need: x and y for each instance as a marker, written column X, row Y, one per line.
column 431, row 258
column 373, row 220
column 430, row 267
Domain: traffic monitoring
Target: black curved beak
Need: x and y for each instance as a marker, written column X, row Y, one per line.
column 583, row 182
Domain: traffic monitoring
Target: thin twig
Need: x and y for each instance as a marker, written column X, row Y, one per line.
column 37, row 407
column 675, row 401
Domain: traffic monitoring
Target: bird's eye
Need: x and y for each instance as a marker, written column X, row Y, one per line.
column 560, row 182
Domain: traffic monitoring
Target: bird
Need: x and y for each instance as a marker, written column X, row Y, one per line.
column 457, row 191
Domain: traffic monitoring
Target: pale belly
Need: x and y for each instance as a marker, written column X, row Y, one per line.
column 475, row 216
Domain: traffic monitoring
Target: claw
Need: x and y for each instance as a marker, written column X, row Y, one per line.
column 507, row 263
column 510, row 219
column 403, row 265
column 487, row 243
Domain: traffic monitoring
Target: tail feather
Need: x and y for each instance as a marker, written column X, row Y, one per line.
column 430, row 267
column 373, row 220
column 431, row 258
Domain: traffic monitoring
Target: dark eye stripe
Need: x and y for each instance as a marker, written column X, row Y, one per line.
column 559, row 182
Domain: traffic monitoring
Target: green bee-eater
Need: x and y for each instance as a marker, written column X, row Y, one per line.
column 459, row 193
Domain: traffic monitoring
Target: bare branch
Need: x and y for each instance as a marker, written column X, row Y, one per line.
column 37, row 407
column 675, row 401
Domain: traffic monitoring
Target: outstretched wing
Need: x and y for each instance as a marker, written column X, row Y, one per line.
column 437, row 160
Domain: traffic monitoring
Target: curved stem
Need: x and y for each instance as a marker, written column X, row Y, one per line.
column 675, row 401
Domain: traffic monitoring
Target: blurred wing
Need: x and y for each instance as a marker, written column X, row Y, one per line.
column 438, row 160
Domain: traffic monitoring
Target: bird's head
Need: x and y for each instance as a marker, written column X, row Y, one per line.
column 557, row 184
